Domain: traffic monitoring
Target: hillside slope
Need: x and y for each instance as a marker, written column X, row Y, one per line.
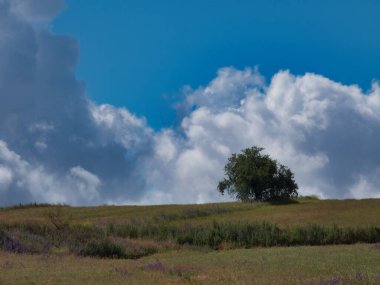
column 307, row 210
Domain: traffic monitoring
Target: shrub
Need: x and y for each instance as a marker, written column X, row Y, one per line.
column 104, row 248
column 58, row 217
column 7, row 243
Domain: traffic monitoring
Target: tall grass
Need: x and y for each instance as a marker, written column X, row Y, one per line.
column 248, row 234
column 60, row 232
column 83, row 240
column 193, row 212
column 103, row 242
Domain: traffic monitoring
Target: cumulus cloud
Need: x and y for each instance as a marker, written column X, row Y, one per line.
column 226, row 90
column 21, row 181
column 49, row 125
column 57, row 146
column 325, row 131
column 5, row 177
column 86, row 182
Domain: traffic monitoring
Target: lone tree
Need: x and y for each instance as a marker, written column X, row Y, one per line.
column 252, row 176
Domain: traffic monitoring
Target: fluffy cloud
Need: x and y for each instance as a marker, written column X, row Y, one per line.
column 328, row 133
column 57, row 146
column 22, row 181
column 60, row 139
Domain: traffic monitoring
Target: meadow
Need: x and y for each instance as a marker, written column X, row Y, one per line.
column 308, row 242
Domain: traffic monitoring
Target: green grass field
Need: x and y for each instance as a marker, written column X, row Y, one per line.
column 159, row 260
column 352, row 264
column 308, row 210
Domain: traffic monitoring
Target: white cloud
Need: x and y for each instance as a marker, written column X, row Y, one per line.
column 50, row 126
column 36, row 10
column 86, row 182
column 57, row 146
column 226, row 90
column 6, row 177
column 366, row 186
column 119, row 125
column 328, row 133
column 32, row 182
column 165, row 146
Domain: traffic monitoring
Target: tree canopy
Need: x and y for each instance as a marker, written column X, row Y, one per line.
column 252, row 176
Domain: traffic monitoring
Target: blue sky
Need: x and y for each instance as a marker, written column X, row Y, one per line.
column 78, row 78
column 139, row 53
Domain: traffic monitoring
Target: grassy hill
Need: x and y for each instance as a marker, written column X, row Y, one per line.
column 224, row 243
column 307, row 210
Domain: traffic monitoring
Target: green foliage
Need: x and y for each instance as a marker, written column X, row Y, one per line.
column 252, row 176
column 40, row 238
column 248, row 234
column 134, row 251
column 156, row 229
column 84, row 240
column 58, row 217
column 104, row 248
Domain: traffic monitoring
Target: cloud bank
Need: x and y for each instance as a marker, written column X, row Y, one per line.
column 58, row 146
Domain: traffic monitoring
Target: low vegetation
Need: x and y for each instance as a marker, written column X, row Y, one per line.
column 191, row 226
column 322, row 265
column 246, row 234
column 155, row 233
